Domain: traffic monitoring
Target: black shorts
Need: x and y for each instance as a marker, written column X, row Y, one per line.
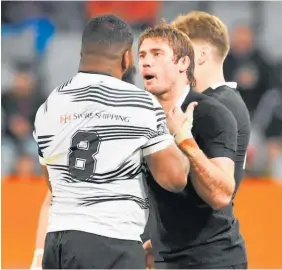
column 82, row 250
column 163, row 265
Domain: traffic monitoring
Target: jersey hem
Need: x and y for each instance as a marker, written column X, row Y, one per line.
column 119, row 235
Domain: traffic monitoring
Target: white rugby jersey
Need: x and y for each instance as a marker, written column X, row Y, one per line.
column 92, row 133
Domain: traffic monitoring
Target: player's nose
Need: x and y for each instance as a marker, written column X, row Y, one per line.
column 146, row 61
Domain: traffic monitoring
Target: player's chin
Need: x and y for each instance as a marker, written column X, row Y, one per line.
column 152, row 88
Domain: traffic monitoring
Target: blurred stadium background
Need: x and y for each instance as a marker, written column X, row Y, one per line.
column 40, row 49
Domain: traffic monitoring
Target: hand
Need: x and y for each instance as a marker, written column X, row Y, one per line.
column 37, row 260
column 189, row 113
column 150, row 264
column 176, row 118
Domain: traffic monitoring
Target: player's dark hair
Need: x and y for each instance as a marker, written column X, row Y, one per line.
column 106, row 35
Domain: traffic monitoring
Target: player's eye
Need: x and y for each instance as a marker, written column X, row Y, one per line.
column 157, row 54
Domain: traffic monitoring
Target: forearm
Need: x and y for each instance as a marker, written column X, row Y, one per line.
column 175, row 170
column 41, row 233
column 169, row 168
column 211, row 183
column 183, row 162
column 43, row 222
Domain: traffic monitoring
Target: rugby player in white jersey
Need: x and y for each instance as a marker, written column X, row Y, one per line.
column 94, row 133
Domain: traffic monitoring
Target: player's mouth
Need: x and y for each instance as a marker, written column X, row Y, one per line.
column 148, row 78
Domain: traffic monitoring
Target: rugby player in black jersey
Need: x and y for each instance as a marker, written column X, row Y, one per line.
column 183, row 226
column 209, row 37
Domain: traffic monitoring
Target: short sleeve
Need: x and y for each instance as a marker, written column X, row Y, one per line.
column 216, row 130
column 159, row 137
column 40, row 154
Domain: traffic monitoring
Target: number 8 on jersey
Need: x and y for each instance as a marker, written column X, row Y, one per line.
column 84, row 146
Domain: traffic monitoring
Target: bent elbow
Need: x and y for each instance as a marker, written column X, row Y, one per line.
column 225, row 197
column 221, row 201
column 179, row 184
column 174, row 183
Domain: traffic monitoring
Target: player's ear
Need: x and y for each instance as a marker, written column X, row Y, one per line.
column 129, row 75
column 184, row 63
column 127, row 60
column 204, row 54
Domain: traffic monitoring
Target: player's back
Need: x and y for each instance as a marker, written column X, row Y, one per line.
column 91, row 132
column 231, row 98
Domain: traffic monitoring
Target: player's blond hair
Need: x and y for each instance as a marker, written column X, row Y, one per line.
column 179, row 42
column 200, row 25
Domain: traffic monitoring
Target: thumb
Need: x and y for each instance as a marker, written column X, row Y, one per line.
column 190, row 110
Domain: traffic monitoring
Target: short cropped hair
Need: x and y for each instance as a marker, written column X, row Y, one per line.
column 106, row 33
column 200, row 25
column 178, row 42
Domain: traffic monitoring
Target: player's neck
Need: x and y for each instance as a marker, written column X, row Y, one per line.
column 211, row 76
column 101, row 66
column 170, row 98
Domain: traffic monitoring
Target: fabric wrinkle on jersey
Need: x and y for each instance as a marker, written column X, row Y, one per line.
column 92, row 133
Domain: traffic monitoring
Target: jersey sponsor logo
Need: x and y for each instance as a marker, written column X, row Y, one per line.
column 65, row 118
column 91, row 115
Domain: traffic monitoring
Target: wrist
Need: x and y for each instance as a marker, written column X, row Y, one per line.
column 190, row 147
column 37, row 259
column 184, row 133
column 38, row 252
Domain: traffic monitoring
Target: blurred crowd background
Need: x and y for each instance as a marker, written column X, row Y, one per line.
column 41, row 46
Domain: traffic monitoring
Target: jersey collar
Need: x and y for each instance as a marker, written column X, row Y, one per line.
column 93, row 77
column 94, row 72
column 183, row 96
column 229, row 84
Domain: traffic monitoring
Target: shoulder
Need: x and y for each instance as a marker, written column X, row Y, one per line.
column 208, row 105
column 119, row 84
column 232, row 99
column 211, row 111
column 145, row 93
column 225, row 92
column 51, row 103
column 39, row 114
column 154, row 100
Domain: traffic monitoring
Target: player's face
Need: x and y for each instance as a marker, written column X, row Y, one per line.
column 157, row 66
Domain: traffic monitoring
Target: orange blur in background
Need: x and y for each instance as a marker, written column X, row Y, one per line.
column 258, row 207
column 137, row 11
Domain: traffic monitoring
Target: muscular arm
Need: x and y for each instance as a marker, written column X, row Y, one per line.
column 169, row 168
column 168, row 165
column 43, row 221
column 212, row 178
column 212, row 166
column 42, row 226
